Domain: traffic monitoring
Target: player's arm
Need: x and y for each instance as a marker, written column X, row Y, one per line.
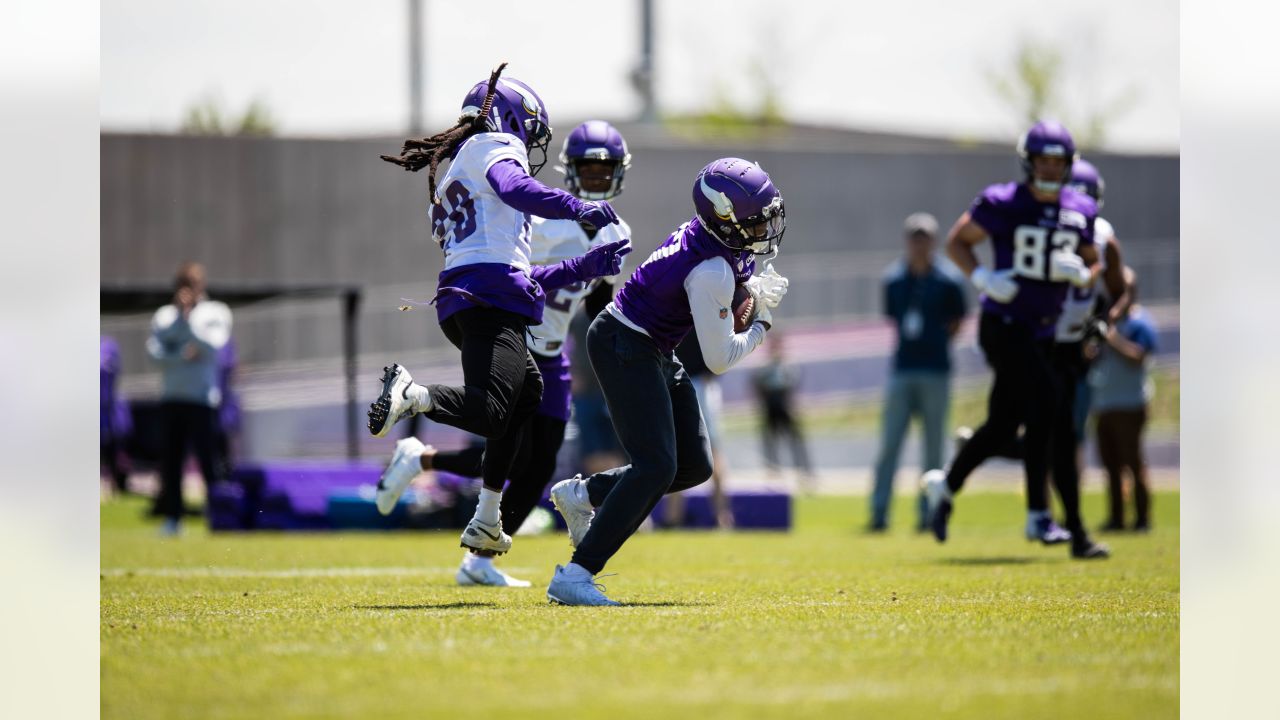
column 710, row 289
column 1113, row 277
column 601, row 260
column 963, row 237
column 517, row 188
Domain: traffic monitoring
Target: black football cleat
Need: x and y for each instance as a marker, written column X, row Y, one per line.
column 1086, row 549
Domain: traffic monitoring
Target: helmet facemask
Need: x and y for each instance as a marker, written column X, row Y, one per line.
column 758, row 234
column 594, row 156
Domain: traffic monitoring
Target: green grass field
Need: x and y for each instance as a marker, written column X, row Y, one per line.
column 820, row 622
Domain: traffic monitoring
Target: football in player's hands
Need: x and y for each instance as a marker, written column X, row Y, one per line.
column 744, row 308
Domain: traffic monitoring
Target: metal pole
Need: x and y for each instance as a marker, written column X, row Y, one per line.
column 649, row 113
column 350, row 313
column 415, row 67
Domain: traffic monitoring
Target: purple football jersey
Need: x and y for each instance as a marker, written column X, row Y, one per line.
column 655, row 299
column 1024, row 233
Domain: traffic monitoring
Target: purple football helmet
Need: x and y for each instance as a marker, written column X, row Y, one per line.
column 737, row 203
column 595, row 141
column 517, row 110
column 1085, row 178
column 1048, row 138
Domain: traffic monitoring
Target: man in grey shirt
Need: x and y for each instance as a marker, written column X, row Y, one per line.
column 186, row 336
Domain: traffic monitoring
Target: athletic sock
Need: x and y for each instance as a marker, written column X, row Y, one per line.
column 489, row 511
column 474, row 561
column 420, row 396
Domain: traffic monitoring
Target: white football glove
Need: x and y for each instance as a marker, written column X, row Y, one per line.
column 998, row 285
column 768, row 287
column 764, row 316
column 1069, row 267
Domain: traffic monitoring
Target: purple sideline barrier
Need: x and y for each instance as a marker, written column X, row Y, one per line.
column 318, row 496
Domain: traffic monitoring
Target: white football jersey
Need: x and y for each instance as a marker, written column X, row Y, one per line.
column 471, row 221
column 554, row 241
column 1080, row 302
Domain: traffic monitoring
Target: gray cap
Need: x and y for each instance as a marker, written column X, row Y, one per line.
column 921, row 222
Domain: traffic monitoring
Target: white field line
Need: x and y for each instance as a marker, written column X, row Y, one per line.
column 235, row 572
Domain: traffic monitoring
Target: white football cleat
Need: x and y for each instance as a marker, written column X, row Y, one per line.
column 394, row 403
column 571, row 500
column 483, row 536
column 406, row 464
column 573, row 585
column 487, row 575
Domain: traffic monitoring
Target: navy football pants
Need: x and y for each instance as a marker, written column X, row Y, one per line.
column 657, row 420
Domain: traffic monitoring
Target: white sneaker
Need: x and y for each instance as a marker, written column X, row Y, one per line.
column 934, row 484
column 406, row 464
column 483, row 536
column 394, row 403
column 573, row 585
column 570, row 498
column 487, row 574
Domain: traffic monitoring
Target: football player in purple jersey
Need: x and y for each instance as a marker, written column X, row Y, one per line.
column 1042, row 236
column 488, row 293
column 688, row 283
column 595, row 161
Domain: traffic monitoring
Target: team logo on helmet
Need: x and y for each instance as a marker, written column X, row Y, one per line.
column 719, row 201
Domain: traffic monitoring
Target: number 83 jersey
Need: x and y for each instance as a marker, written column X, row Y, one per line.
column 470, row 222
column 1024, row 233
column 555, row 241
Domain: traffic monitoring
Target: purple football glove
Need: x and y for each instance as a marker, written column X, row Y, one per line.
column 605, row 259
column 597, row 214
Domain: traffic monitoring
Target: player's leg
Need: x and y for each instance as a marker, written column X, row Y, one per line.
column 894, row 419
column 531, row 471
column 693, row 436
column 935, row 406
column 467, row 462
column 1063, row 444
column 502, row 387
column 1041, row 393
column 1005, row 346
column 631, row 373
column 544, row 437
column 499, row 456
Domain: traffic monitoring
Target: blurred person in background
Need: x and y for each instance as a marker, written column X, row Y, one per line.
column 710, row 402
column 775, row 384
column 1042, row 236
column 1121, row 391
column 186, row 338
column 115, row 423
column 926, row 305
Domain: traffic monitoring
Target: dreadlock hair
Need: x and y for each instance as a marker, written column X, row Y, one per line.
column 428, row 152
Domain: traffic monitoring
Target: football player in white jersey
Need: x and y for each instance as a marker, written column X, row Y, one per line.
column 489, row 293
column 595, row 161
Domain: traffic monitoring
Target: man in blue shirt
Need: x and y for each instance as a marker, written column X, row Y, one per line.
column 926, row 306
